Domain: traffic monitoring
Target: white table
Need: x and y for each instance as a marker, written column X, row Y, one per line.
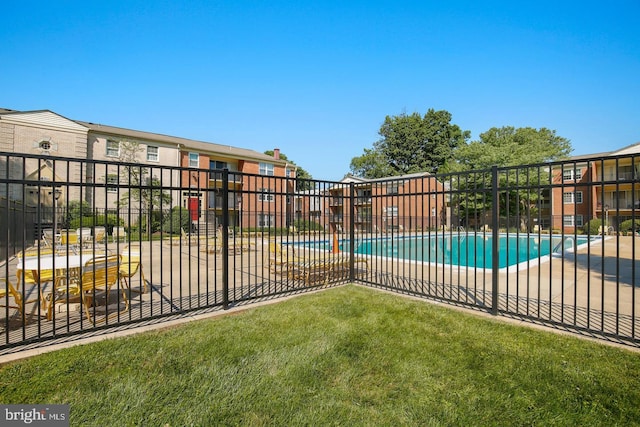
column 41, row 270
column 49, row 262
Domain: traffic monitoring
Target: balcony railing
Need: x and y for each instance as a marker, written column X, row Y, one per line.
column 620, row 176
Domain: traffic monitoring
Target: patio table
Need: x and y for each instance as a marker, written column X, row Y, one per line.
column 40, row 270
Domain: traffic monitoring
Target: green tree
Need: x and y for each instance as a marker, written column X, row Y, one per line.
column 411, row 143
column 506, row 147
column 303, row 177
column 372, row 164
column 145, row 191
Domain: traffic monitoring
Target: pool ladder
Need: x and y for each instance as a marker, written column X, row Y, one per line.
column 559, row 246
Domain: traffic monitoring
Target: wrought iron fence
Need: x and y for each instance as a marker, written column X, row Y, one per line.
column 549, row 243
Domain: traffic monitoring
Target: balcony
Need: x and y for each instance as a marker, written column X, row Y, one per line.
column 359, row 201
column 336, row 219
column 363, row 218
column 621, row 176
column 624, row 206
column 215, row 180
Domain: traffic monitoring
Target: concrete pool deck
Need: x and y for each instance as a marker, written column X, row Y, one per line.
column 597, row 288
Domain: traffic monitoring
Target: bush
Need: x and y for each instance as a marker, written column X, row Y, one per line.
column 593, row 226
column 628, row 225
column 84, row 222
column 302, row 225
column 179, row 219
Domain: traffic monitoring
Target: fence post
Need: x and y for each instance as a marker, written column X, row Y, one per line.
column 495, row 253
column 225, row 238
column 352, row 233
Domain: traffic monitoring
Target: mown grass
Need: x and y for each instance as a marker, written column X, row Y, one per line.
column 345, row 356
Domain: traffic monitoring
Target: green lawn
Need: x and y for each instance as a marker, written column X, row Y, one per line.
column 345, row 356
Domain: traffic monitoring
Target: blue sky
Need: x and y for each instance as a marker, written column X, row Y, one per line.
column 316, row 79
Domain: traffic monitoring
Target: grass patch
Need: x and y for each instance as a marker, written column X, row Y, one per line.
column 345, row 356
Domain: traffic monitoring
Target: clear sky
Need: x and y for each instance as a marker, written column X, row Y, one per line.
column 316, row 79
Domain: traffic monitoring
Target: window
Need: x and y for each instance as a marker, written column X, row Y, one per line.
column 266, row 169
column 265, row 195
column 572, row 221
column 392, row 211
column 152, row 154
column 571, row 197
column 194, row 160
column 265, row 220
column 113, row 148
column 392, row 189
column 215, row 164
column 571, row 174
column 112, row 183
column 45, row 145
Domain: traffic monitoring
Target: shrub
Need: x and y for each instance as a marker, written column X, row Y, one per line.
column 593, row 226
column 178, row 219
column 302, row 225
column 628, row 225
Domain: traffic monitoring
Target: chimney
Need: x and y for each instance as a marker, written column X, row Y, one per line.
column 276, row 153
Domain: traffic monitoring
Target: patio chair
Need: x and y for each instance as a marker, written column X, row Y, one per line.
column 98, row 275
column 8, row 289
column 69, row 239
column 130, row 265
column 118, row 233
column 48, row 237
column 84, row 237
column 99, row 234
column 186, row 239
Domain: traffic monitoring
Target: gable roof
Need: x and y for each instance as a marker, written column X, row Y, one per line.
column 44, row 118
column 357, row 179
column 182, row 143
column 49, row 119
column 629, row 149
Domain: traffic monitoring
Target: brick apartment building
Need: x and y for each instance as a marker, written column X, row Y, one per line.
column 167, row 158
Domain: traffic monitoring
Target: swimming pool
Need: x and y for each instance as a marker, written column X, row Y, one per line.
column 464, row 250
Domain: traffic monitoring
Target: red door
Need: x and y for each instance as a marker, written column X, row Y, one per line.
column 194, row 208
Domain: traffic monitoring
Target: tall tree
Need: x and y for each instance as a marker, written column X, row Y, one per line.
column 507, row 147
column 372, row 164
column 411, row 143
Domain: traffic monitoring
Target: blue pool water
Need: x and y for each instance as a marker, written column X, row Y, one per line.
column 465, row 250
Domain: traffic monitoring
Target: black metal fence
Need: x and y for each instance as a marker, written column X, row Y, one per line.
column 553, row 243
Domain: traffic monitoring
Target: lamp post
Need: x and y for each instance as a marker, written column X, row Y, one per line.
column 56, row 195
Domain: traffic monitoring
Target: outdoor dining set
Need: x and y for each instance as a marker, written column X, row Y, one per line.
column 74, row 268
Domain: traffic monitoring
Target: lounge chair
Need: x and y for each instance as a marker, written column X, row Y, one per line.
column 237, row 245
column 321, row 270
column 281, row 256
